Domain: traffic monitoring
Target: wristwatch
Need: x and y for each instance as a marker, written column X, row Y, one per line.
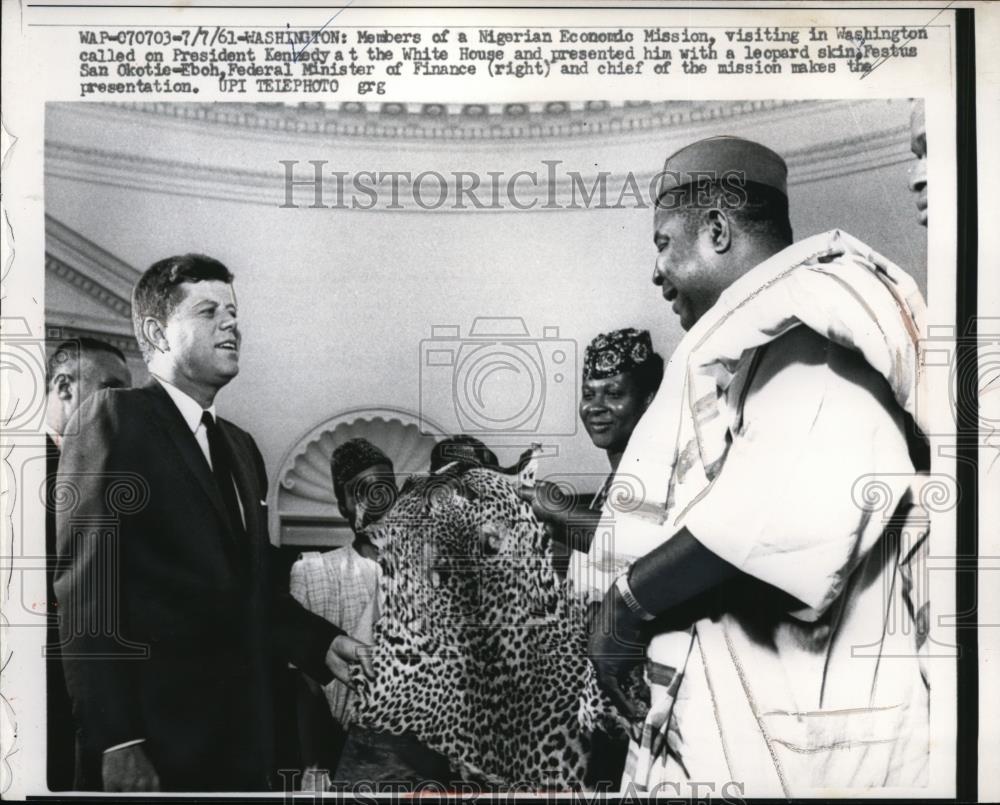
column 630, row 600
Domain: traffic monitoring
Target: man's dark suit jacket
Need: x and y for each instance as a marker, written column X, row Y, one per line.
column 150, row 567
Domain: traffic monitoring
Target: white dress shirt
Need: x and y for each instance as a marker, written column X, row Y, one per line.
column 191, row 410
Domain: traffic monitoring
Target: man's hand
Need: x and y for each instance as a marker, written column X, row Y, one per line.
column 344, row 651
column 616, row 644
column 567, row 519
column 549, row 502
column 129, row 769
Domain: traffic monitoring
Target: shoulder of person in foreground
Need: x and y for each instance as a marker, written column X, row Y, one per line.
column 110, row 408
column 816, row 421
column 105, row 434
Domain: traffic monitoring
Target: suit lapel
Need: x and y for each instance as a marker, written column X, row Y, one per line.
column 171, row 421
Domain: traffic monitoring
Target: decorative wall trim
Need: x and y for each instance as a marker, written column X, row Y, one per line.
column 95, row 273
column 832, row 159
column 57, row 331
column 77, row 253
column 303, row 509
column 75, row 277
column 437, row 121
column 849, row 155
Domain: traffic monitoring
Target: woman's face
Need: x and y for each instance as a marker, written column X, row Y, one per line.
column 610, row 409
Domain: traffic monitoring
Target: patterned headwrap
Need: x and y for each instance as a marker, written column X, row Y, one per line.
column 352, row 457
column 618, row 351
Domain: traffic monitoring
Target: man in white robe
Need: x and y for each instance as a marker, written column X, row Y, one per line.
column 766, row 568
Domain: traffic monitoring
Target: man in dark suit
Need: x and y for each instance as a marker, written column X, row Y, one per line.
column 171, row 617
column 76, row 369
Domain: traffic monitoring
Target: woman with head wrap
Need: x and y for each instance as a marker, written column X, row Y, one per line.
column 621, row 375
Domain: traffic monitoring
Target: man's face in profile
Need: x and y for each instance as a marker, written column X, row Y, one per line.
column 686, row 278
column 918, row 173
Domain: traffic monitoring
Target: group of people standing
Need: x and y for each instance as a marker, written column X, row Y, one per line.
column 746, row 569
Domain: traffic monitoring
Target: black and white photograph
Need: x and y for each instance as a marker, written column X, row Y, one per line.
column 411, row 395
column 405, row 426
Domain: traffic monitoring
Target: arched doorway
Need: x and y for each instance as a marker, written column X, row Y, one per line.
column 303, row 509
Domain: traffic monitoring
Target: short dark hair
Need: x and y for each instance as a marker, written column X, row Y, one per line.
column 157, row 293
column 464, row 448
column 350, row 459
column 756, row 208
column 648, row 375
column 68, row 353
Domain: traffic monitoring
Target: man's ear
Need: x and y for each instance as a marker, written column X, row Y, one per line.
column 720, row 232
column 63, row 385
column 152, row 331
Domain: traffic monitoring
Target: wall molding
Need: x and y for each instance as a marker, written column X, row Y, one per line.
column 450, row 122
column 303, row 509
column 115, row 168
column 77, row 253
column 56, row 331
column 95, row 273
column 88, row 286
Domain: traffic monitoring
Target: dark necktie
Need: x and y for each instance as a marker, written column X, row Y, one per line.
column 222, row 469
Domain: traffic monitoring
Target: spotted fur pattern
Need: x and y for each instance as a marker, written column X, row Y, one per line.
column 480, row 649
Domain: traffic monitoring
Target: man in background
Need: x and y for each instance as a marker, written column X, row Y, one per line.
column 167, row 553
column 76, row 369
column 918, row 173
